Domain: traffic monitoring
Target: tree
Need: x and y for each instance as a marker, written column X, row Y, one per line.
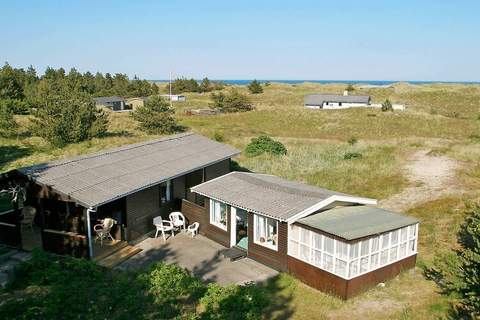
column 387, row 106
column 350, row 88
column 8, row 126
column 457, row 272
column 182, row 85
column 68, row 116
column 255, row 87
column 11, row 83
column 232, row 101
column 206, row 85
column 155, row 116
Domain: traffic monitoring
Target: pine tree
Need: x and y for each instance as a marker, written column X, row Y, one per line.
column 255, row 87
column 8, row 126
column 387, row 106
column 155, row 116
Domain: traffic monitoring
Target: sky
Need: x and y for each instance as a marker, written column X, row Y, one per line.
column 298, row 39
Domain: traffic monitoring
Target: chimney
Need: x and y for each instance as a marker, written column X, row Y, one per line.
column 345, row 92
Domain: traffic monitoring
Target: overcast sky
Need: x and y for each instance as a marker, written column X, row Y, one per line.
column 335, row 40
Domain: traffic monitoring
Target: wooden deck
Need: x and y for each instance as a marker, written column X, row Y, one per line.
column 113, row 253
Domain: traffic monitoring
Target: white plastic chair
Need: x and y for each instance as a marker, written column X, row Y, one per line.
column 163, row 226
column 193, row 228
column 177, row 219
column 103, row 230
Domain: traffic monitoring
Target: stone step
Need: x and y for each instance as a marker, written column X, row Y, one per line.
column 119, row 256
column 234, row 253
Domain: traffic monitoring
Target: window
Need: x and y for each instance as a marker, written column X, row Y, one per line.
column 354, row 250
column 328, row 245
column 340, row 267
column 266, row 232
column 218, row 214
column 166, row 191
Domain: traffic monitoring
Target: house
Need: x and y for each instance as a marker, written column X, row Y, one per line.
column 334, row 242
column 174, row 97
column 334, row 101
column 114, row 103
column 134, row 103
column 131, row 184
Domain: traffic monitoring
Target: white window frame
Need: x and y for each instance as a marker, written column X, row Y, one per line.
column 264, row 244
column 214, row 205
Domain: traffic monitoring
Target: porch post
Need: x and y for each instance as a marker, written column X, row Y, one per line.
column 89, row 232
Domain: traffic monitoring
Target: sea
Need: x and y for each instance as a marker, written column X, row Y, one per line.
column 365, row 82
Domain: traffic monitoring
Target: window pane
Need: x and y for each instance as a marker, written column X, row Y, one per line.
column 385, row 240
column 317, row 258
column 304, row 252
column 364, row 264
column 374, row 260
column 412, row 230
column 342, row 250
column 365, row 247
column 271, row 231
column 294, row 232
column 317, row 241
column 353, row 268
column 403, row 236
column 340, row 267
column 354, row 250
column 394, row 239
column 375, row 244
column 305, row 236
column 223, row 214
column 411, row 246
column 393, row 254
column 384, row 257
column 328, row 262
column 403, row 250
column 293, row 248
column 328, row 245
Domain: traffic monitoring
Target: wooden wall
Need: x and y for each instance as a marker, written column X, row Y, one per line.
column 141, row 208
column 272, row 258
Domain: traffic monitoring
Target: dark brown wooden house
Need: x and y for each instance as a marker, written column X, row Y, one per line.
column 334, row 242
column 131, row 184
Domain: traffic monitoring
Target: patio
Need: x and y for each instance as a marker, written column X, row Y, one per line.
column 201, row 256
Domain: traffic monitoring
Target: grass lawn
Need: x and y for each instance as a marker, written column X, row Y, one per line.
column 443, row 118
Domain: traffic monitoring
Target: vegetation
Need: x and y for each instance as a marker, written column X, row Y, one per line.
column 255, row 87
column 183, row 85
column 387, row 106
column 456, row 272
column 8, row 125
column 265, row 144
column 350, row 88
column 230, row 102
column 156, row 116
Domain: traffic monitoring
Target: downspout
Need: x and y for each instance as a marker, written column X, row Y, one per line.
column 89, row 232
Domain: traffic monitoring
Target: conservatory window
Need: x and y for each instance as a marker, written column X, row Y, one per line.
column 218, row 214
column 266, row 232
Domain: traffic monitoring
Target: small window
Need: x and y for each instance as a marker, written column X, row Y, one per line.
column 363, row 264
column 394, row 239
column 218, row 214
column 317, row 241
column 403, row 236
column 328, row 262
column 166, row 192
column 342, row 250
column 340, row 267
column 384, row 257
column 304, row 252
column 305, row 236
column 393, row 254
column 375, row 244
column 328, row 244
column 374, row 260
column 293, row 249
column 412, row 230
column 354, row 250
column 365, row 247
column 353, row 268
column 266, row 232
column 294, row 232
column 385, row 240
column 317, row 258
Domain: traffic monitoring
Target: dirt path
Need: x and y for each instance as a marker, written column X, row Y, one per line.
column 431, row 177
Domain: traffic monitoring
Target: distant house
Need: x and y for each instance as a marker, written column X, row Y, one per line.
column 174, row 97
column 115, row 103
column 136, row 102
column 335, row 101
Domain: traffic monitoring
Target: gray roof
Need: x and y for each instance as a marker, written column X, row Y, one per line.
column 264, row 194
column 103, row 100
column 319, row 99
column 102, row 177
column 355, row 222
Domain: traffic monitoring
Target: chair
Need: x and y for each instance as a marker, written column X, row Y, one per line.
column 28, row 214
column 178, row 220
column 103, row 230
column 193, row 228
column 163, row 226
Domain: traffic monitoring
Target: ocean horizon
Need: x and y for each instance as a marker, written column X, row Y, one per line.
column 366, row 82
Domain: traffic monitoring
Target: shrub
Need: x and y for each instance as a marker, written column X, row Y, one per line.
column 68, row 117
column 155, row 116
column 217, row 136
column 264, row 144
column 387, row 106
column 8, row 125
column 352, row 155
column 232, row 101
column 350, row 88
column 457, row 272
column 255, row 87
column 352, row 140
column 233, row 302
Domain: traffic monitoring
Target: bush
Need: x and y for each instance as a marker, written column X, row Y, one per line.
column 68, row 117
column 217, row 136
column 8, row 125
column 264, row 144
column 352, row 140
column 387, row 106
column 457, row 272
column 255, row 87
column 350, row 88
column 233, row 302
column 352, row 155
column 156, row 116
column 232, row 101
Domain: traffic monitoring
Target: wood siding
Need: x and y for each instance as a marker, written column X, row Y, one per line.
column 195, row 213
column 218, row 169
column 141, row 208
column 343, row 288
column 215, row 233
column 269, row 257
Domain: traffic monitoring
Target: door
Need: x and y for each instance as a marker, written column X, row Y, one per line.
column 239, row 228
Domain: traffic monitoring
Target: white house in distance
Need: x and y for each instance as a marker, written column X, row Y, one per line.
column 345, row 101
column 174, row 97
